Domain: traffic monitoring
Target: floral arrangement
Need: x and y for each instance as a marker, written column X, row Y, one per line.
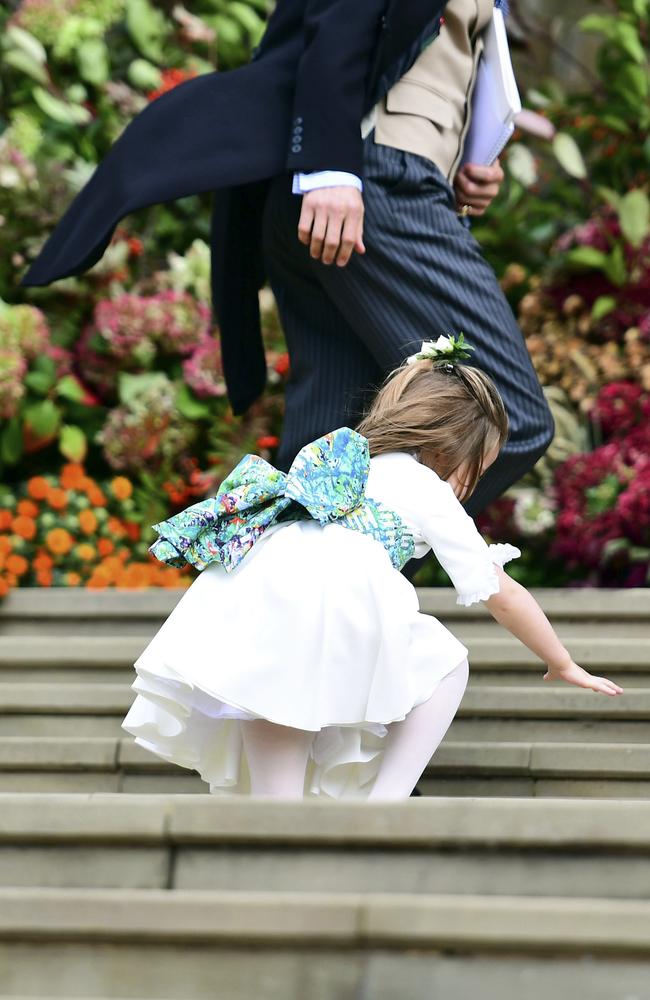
column 71, row 530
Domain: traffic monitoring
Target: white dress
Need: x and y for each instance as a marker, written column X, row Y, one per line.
column 316, row 630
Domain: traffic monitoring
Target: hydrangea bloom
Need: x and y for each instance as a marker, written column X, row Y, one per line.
column 149, row 433
column 13, row 368
column 203, row 370
column 24, row 329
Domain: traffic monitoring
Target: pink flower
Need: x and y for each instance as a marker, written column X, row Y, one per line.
column 203, row 370
column 13, row 368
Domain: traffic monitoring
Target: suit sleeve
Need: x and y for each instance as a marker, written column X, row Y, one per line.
column 339, row 43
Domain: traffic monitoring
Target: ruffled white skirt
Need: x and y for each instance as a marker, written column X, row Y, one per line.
column 315, row 630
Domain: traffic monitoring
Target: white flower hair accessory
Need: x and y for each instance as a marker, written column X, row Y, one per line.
column 447, row 350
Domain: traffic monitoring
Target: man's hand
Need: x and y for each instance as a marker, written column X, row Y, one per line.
column 477, row 186
column 331, row 224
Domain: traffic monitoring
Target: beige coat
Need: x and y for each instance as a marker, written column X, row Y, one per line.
column 427, row 111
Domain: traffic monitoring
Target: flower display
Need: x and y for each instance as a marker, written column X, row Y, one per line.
column 203, row 370
column 148, row 431
column 70, row 530
column 12, row 371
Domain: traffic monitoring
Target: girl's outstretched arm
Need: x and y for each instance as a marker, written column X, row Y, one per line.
column 518, row 611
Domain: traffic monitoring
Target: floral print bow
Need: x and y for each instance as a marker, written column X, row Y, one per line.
column 326, row 482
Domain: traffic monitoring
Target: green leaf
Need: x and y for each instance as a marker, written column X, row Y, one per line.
column 25, row 64
column 568, row 155
column 627, row 36
column 73, row 443
column 588, row 257
column 43, row 418
column 602, row 307
column 611, row 197
column 189, row 406
column 132, row 387
column 69, row 388
column 521, row 164
column 60, row 111
column 93, row 61
column 615, row 269
column 634, row 216
column 144, row 75
column 604, row 23
column 11, row 441
column 27, row 43
column 249, row 20
column 147, row 27
column 39, row 382
column 603, row 497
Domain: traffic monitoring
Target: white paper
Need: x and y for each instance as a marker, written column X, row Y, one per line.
column 495, row 100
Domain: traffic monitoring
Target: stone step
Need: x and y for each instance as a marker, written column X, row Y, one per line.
column 154, row 605
column 546, row 701
column 322, row 946
column 98, row 754
column 518, row 730
column 493, row 650
column 78, row 764
column 558, row 847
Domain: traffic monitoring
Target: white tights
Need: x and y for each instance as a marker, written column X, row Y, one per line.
column 278, row 755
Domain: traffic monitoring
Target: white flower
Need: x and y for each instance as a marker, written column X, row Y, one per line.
column 442, row 344
column 533, row 513
column 430, row 350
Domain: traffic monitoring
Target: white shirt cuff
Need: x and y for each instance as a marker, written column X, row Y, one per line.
column 302, row 183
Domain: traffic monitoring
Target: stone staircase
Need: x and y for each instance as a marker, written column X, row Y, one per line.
column 524, row 871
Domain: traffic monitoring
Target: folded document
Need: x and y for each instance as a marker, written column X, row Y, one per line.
column 495, row 101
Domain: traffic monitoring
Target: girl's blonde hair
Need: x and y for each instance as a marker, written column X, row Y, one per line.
column 451, row 416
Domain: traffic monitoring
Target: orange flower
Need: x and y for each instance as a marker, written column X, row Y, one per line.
column 38, row 487
column 27, row 508
column 5, row 545
column 6, row 518
column 11, row 579
column 24, row 526
column 85, row 551
column 121, row 487
column 72, row 476
column 57, row 499
column 105, row 546
column 96, row 496
column 59, row 541
column 87, row 522
column 4, row 587
column 72, row 579
column 44, row 578
column 17, row 564
column 43, row 560
column 116, row 527
column 99, row 579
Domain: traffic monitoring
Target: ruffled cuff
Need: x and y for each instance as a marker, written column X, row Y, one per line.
column 499, row 554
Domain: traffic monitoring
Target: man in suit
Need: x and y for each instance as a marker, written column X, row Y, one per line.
column 376, row 93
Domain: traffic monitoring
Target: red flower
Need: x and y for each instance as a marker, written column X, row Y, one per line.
column 282, row 364
column 136, row 246
column 170, row 79
column 270, row 441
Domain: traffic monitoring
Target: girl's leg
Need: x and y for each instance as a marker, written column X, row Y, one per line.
column 411, row 742
column 277, row 758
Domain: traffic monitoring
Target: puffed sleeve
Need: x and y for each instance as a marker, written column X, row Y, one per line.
column 456, row 542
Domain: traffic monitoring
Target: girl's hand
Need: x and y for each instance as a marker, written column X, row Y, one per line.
column 573, row 674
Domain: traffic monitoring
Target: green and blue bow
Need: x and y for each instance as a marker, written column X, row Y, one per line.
column 326, row 481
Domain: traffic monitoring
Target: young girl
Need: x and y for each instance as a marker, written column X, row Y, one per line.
column 298, row 662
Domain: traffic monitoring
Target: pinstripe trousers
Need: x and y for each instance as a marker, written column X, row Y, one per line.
column 423, row 274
